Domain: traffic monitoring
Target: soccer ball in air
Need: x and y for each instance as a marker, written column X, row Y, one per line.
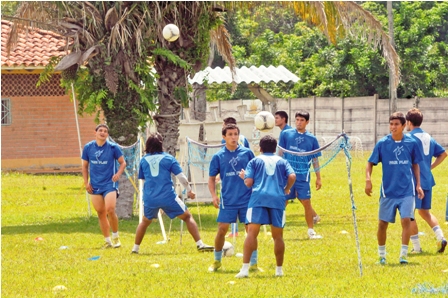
column 170, row 32
column 228, row 250
column 264, row 121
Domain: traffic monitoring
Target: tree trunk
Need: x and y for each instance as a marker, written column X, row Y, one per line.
column 125, row 201
column 199, row 102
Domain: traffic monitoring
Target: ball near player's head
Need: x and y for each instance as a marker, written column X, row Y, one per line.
column 154, row 143
column 268, row 144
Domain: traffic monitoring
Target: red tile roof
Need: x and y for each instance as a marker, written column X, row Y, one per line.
column 33, row 49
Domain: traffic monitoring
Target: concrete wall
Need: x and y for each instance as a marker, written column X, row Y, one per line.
column 366, row 118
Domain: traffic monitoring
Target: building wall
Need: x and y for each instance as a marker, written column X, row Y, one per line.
column 42, row 135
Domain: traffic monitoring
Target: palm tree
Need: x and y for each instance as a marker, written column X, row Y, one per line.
column 113, row 46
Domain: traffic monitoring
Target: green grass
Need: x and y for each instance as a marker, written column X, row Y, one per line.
column 54, row 207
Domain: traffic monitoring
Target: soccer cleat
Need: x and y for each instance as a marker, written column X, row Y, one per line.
column 215, row 266
column 231, row 235
column 242, row 274
column 403, row 260
column 134, row 252
column 416, row 251
column 381, row 261
column 313, row 235
column 316, row 219
column 205, row 247
column 441, row 244
column 116, row 242
column 106, row 245
column 278, row 274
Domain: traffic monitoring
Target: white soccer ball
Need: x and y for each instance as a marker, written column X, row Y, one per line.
column 264, row 121
column 170, row 32
column 228, row 250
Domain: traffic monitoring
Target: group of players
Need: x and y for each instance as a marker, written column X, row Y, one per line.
column 256, row 190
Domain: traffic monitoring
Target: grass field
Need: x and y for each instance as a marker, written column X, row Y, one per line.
column 53, row 207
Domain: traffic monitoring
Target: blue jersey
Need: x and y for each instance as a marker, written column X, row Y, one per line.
column 397, row 158
column 430, row 148
column 156, row 170
column 270, row 173
column 234, row 193
column 286, row 127
column 293, row 140
column 102, row 165
column 241, row 140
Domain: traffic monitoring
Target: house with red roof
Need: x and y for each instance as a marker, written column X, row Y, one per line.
column 39, row 127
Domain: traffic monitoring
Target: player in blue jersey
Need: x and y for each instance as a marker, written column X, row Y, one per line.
column 399, row 155
column 281, row 120
column 98, row 162
column 430, row 148
column 243, row 142
column 155, row 169
column 271, row 178
column 234, row 197
column 300, row 140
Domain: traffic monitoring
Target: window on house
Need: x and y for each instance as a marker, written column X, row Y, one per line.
column 6, row 111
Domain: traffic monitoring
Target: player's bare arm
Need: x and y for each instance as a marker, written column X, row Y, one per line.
column 438, row 160
column 416, row 170
column 290, row 183
column 317, row 171
column 212, row 190
column 120, row 171
column 368, row 189
column 85, row 175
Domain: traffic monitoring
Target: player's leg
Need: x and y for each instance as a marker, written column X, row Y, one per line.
column 387, row 213
column 141, row 229
column 177, row 208
column 110, row 200
column 254, row 218
column 100, row 208
column 431, row 220
column 414, row 238
column 278, row 219
column 406, row 207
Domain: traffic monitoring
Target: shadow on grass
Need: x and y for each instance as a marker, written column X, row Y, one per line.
column 90, row 225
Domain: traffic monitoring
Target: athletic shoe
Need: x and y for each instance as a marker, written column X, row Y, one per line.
column 215, row 266
column 313, row 235
column 316, row 219
column 134, row 252
column 403, row 260
column 278, row 274
column 381, row 261
column 441, row 244
column 416, row 251
column 231, row 235
column 107, row 245
column 242, row 274
column 205, row 247
column 116, row 242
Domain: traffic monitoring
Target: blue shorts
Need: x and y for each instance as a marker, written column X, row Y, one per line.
column 300, row 190
column 266, row 216
column 103, row 191
column 425, row 203
column 173, row 209
column 231, row 215
column 389, row 207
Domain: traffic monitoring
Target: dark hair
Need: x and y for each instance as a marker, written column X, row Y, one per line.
column 229, row 120
column 268, row 144
column 282, row 114
column 102, row 125
column 398, row 116
column 415, row 117
column 154, row 143
column 303, row 114
column 229, row 126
